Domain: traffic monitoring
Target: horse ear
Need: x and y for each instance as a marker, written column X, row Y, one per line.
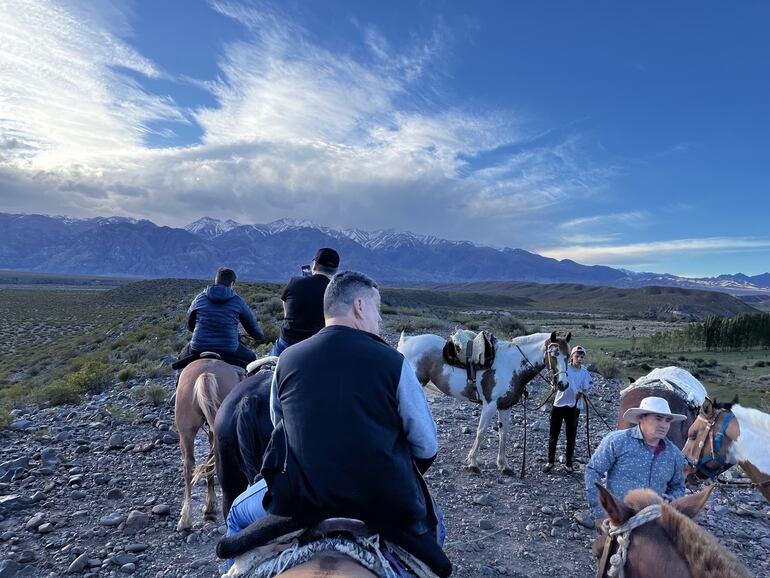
column 569, row 336
column 631, row 379
column 734, row 401
column 616, row 510
column 553, row 337
column 692, row 504
column 708, row 407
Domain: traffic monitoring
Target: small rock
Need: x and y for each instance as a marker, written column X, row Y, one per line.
column 78, row 564
column 26, row 556
column 125, row 558
column 78, row 495
column 76, row 480
column 114, row 494
column 135, row 548
column 45, row 528
column 116, row 441
column 161, row 510
column 585, row 519
column 548, row 510
column 101, row 479
column 37, row 497
column 49, row 457
column 485, row 524
column 530, row 528
column 113, row 519
column 170, row 438
column 34, row 522
column 137, row 519
column 482, row 500
column 9, row 568
column 465, row 430
column 559, row 521
column 20, row 425
column 128, row 568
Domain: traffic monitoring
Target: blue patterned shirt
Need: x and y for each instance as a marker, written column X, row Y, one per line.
column 629, row 463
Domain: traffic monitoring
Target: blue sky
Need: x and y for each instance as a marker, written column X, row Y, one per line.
column 609, row 133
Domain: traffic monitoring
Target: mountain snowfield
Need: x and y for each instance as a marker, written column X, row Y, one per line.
column 274, row 251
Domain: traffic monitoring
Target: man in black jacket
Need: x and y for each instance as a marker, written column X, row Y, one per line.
column 353, row 429
column 303, row 301
column 214, row 316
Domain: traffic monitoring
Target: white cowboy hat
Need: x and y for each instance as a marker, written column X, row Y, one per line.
column 651, row 404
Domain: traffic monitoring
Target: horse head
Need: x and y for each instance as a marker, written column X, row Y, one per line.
column 557, row 359
column 713, row 429
column 639, row 536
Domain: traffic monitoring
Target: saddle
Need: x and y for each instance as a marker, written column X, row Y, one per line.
column 183, row 362
column 272, row 533
column 470, row 351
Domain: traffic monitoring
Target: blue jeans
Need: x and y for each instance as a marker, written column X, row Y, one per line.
column 279, row 346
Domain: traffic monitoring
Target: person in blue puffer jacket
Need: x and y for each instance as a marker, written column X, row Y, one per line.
column 213, row 317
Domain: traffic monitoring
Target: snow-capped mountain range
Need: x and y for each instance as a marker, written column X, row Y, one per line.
column 274, row 251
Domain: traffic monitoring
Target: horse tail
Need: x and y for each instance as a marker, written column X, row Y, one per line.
column 206, row 395
column 247, row 426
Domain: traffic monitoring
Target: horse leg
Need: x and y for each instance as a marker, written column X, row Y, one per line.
column 187, row 444
column 503, row 425
column 487, row 411
column 210, row 511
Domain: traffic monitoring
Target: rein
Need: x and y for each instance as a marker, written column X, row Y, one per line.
column 622, row 535
column 716, row 448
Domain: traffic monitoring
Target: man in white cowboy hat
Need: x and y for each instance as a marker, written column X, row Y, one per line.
column 639, row 457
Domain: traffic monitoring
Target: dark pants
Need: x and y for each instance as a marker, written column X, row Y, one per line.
column 241, row 356
column 570, row 416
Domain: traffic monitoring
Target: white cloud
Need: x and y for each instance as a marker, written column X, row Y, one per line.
column 348, row 138
column 637, row 253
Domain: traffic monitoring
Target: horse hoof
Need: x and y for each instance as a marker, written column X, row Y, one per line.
column 474, row 469
column 183, row 527
column 507, row 471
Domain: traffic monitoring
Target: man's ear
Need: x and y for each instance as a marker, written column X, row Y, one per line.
column 616, row 510
column 692, row 504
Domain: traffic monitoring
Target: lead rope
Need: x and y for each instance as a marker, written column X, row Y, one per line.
column 622, row 534
column 525, row 396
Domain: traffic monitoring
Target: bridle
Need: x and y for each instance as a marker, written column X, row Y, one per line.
column 552, row 364
column 715, row 441
column 614, row 564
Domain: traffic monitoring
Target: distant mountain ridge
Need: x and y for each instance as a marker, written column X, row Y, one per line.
column 275, row 251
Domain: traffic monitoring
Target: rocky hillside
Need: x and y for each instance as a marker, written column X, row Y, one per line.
column 95, row 490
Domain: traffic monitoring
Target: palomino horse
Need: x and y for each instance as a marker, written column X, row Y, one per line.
column 683, row 392
column 726, row 434
column 203, row 384
column 500, row 387
column 242, row 430
column 645, row 538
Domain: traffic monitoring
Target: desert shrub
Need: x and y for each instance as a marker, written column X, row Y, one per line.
column 127, row 373
column 92, row 377
column 119, row 414
column 139, row 391
column 60, row 392
column 273, row 306
column 5, row 415
column 136, row 353
column 155, row 394
column 609, row 367
column 416, row 324
column 508, row 326
column 760, row 363
column 271, row 331
column 158, row 371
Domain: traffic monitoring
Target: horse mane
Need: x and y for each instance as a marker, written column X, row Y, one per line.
column 529, row 339
column 706, row 557
column 726, row 405
column 751, row 445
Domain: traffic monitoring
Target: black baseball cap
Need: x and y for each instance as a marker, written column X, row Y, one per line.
column 327, row 257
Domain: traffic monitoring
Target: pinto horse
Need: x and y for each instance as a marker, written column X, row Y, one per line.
column 683, row 392
column 498, row 388
column 242, row 430
column 732, row 434
column 203, row 384
column 645, row 538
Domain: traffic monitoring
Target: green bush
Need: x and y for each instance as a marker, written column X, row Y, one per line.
column 92, row 377
column 609, row 367
column 5, row 415
column 136, row 353
column 158, row 371
column 127, row 373
column 507, row 326
column 273, row 307
column 60, row 392
column 271, row 331
column 156, row 394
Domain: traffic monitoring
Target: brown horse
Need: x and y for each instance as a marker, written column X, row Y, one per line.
column 645, row 538
column 731, row 434
column 498, row 388
column 203, row 384
column 683, row 392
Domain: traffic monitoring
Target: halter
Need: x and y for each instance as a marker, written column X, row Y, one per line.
column 547, row 362
column 622, row 535
column 716, row 447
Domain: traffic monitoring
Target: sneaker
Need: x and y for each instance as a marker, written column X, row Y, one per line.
column 547, row 468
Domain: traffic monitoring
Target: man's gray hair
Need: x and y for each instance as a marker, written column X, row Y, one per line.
column 343, row 289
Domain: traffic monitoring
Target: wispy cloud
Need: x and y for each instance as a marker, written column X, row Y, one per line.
column 353, row 138
column 635, row 253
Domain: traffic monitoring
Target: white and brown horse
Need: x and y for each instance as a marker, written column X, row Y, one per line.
column 203, row 384
column 727, row 434
column 498, row 388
